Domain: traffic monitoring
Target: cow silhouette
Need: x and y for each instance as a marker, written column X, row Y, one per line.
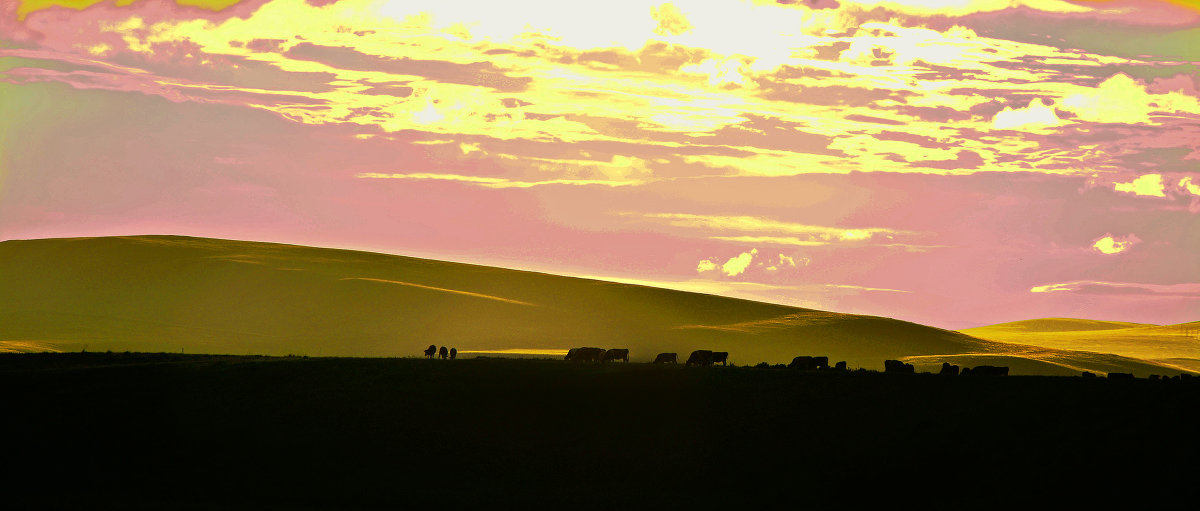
column 703, row 358
column 985, row 371
column 443, row 354
column 896, row 366
column 720, row 356
column 1120, row 376
column 807, row 363
column 453, row 353
column 1088, row 374
column 430, row 351
column 585, row 354
column 948, row 370
column 616, row 354
column 841, row 366
column 666, row 358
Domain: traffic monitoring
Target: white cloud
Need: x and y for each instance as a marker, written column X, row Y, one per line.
column 705, row 265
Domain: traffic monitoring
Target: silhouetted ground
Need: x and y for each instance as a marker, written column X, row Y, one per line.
column 178, row 431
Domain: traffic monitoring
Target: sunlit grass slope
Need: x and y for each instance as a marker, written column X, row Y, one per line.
column 1175, row 345
column 168, row 293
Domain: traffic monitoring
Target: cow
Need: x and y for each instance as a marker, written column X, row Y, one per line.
column 703, row 358
column 585, row 354
column 948, row 370
column 1089, row 374
column 986, row 371
column 841, row 366
column 453, row 353
column 443, row 354
column 616, row 354
column 666, row 358
column 430, row 351
column 803, row 363
column 1120, row 376
column 720, row 356
column 896, row 366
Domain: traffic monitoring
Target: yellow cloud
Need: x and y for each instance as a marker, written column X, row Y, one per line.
column 1038, row 114
column 705, row 265
column 738, row 264
column 1109, row 245
column 671, row 20
column 1149, row 185
column 1186, row 184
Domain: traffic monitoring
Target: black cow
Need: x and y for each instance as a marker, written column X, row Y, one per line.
column 453, row 353
column 841, row 366
column 896, row 366
column 585, row 354
column 666, row 358
column 1120, row 376
column 430, row 351
column 1088, row 374
column 616, row 354
column 702, row 358
column 948, row 370
column 443, row 354
column 803, row 363
column 720, row 356
column 986, row 371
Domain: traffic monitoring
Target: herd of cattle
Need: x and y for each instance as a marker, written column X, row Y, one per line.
column 706, row 358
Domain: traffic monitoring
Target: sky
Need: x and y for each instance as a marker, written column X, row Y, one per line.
column 951, row 162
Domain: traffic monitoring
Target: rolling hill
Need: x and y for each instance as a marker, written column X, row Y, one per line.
column 200, row 295
column 1173, row 345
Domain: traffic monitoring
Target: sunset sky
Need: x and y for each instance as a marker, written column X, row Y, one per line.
column 951, row 162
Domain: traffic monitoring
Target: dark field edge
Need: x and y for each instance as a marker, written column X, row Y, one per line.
column 169, row 431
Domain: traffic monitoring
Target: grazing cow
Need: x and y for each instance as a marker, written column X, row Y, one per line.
column 841, row 366
column 720, row 356
column 896, row 366
column 702, row 358
column 1155, row 377
column 585, row 354
column 803, row 363
column 453, row 353
column 986, row 371
column 666, row 358
column 1087, row 374
column 430, row 351
column 443, row 354
column 948, row 370
column 616, row 354
column 1120, row 376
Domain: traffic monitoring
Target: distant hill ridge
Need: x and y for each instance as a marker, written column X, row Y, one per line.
column 201, row 295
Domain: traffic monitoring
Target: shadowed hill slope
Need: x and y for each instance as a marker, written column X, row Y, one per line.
column 1172, row 345
column 170, row 293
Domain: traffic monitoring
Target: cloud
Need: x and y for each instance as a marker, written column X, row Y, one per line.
column 671, row 20
column 1109, row 245
column 492, row 182
column 771, row 229
column 705, row 265
column 1184, row 290
column 1187, row 185
column 1038, row 114
column 1150, row 185
column 738, row 264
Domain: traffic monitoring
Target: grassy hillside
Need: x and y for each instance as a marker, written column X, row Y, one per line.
column 168, row 293
column 1174, row 345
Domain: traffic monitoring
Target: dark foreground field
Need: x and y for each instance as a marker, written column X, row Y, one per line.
column 174, row 431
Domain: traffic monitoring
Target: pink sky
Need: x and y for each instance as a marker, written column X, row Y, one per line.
column 955, row 167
